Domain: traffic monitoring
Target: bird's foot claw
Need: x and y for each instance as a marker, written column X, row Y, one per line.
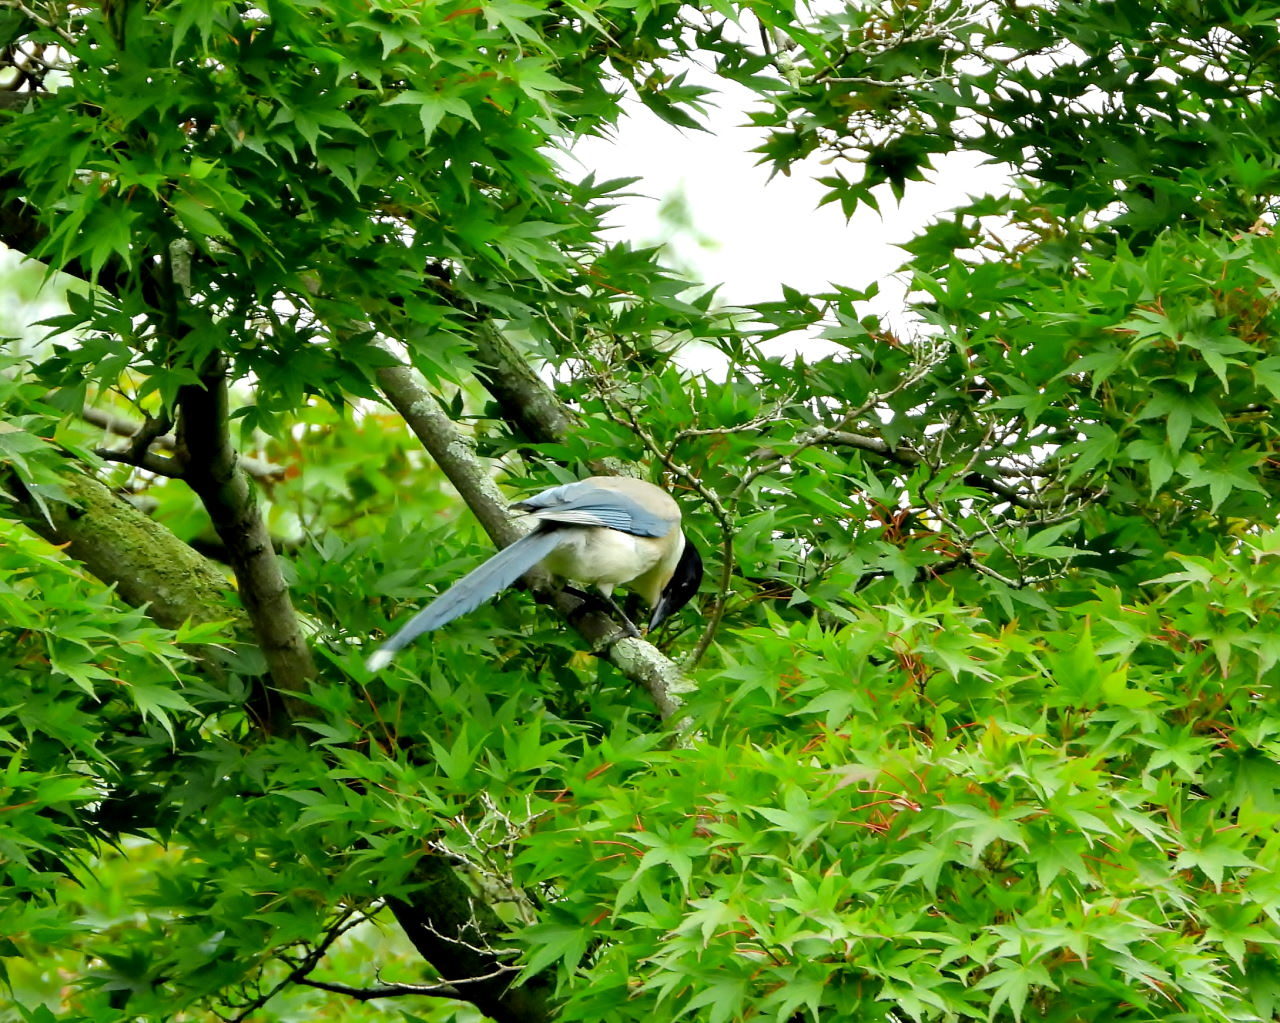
column 596, row 602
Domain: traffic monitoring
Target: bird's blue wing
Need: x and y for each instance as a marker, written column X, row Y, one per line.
column 585, row 504
column 469, row 592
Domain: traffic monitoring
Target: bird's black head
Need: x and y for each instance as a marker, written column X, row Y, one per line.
column 681, row 587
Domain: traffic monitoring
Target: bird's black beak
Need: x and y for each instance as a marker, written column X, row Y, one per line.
column 680, row 588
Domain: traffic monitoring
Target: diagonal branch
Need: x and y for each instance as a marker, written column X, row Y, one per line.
column 146, row 564
column 637, row 659
column 527, row 403
column 456, row 458
column 52, row 26
column 347, row 920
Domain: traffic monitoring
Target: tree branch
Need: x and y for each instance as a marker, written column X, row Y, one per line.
column 148, row 460
column 368, row 994
column 527, row 403
column 32, row 16
column 456, row 458
column 299, row 969
column 210, row 468
column 450, row 929
column 145, row 563
column 11, row 100
column 123, row 426
column 979, row 478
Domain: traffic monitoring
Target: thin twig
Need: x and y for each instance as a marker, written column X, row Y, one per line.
column 481, row 950
column 723, row 519
column 756, row 423
column 302, row 967
column 367, row 994
column 123, row 426
column 158, row 464
column 929, row 354
column 21, row 8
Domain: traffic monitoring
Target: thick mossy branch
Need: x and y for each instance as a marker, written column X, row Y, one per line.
column 146, row 563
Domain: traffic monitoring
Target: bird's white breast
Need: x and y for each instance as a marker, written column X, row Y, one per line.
column 602, row 557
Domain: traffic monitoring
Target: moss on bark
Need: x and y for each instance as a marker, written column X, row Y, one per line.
column 144, row 561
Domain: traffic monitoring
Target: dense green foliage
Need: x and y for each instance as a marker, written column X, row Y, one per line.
column 983, row 723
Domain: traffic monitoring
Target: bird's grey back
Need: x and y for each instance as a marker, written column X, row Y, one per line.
column 614, row 502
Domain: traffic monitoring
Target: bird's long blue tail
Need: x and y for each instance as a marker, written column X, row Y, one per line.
column 469, row 592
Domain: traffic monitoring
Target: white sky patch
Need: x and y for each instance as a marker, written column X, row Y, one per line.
column 753, row 234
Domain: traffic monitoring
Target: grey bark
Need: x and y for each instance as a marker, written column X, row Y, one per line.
column 209, row 466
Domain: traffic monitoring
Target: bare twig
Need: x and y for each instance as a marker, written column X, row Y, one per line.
column 58, row 30
column 928, row 354
column 764, row 419
column 925, row 26
column 491, row 844
column 484, row 949
column 29, row 56
column 368, row 994
column 440, row 927
column 300, row 968
column 157, row 464
column 123, row 426
column 723, row 519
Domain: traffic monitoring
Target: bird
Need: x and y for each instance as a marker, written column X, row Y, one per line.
column 605, row 531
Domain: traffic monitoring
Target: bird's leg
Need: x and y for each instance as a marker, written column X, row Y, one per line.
column 621, row 615
column 594, row 601
column 633, row 607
